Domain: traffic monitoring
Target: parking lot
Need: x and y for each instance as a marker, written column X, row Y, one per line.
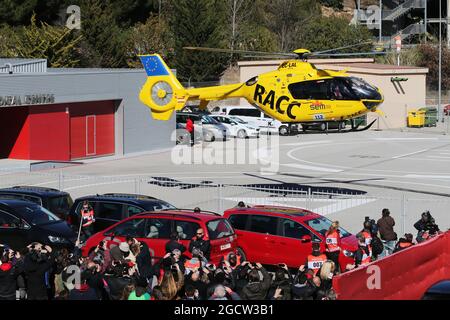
column 343, row 176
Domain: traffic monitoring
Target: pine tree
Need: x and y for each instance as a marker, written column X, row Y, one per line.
column 104, row 44
column 199, row 23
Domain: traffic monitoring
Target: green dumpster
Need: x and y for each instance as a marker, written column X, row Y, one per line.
column 431, row 116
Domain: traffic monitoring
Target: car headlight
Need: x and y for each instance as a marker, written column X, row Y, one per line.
column 56, row 239
column 348, row 253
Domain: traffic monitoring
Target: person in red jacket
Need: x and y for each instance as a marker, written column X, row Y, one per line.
column 316, row 259
column 333, row 243
column 190, row 129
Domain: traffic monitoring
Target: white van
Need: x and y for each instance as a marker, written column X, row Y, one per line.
column 254, row 117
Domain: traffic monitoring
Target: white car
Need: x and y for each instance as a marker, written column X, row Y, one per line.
column 237, row 127
column 256, row 118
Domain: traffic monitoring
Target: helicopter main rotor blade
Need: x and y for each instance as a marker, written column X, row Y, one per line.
column 349, row 54
column 340, row 48
column 262, row 53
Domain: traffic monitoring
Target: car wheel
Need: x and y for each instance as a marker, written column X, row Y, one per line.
column 242, row 254
column 241, row 134
column 283, row 130
column 323, row 126
column 209, row 137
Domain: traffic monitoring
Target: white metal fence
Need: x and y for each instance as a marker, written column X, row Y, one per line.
column 349, row 207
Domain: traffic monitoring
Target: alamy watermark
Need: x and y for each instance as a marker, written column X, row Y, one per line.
column 374, row 280
column 70, row 17
column 263, row 152
column 371, row 15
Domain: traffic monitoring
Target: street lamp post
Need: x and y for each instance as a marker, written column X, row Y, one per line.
column 440, row 62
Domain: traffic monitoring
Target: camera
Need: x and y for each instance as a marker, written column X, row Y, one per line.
column 373, row 225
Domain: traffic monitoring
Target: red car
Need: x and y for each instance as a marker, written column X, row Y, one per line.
column 272, row 235
column 154, row 228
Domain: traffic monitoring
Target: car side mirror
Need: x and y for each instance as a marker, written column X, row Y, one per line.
column 23, row 225
column 305, row 239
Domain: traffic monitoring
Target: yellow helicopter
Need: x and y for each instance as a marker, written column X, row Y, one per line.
column 297, row 92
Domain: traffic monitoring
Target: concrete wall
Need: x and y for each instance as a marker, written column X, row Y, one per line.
column 399, row 98
column 136, row 131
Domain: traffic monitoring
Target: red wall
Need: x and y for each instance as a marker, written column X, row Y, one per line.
column 104, row 129
column 56, row 132
column 49, row 131
column 405, row 275
column 14, row 133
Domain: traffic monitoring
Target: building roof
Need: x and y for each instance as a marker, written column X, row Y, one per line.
column 16, row 65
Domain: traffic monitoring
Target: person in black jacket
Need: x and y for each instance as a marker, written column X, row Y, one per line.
column 426, row 225
column 37, row 265
column 118, row 281
column 257, row 288
column 199, row 242
column 10, row 268
column 174, row 243
column 83, row 291
column 281, row 285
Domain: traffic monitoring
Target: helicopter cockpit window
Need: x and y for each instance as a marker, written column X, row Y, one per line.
column 362, row 89
column 307, row 90
column 341, row 90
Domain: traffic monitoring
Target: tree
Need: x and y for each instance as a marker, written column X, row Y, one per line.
column 104, row 42
column 154, row 36
column 129, row 12
column 15, row 14
column 199, row 23
column 56, row 44
column 286, row 18
column 322, row 33
column 429, row 58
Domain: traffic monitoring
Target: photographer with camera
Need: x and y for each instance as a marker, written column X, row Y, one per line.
column 11, row 267
column 199, row 242
column 259, row 281
column 426, row 227
column 37, row 265
column 281, row 285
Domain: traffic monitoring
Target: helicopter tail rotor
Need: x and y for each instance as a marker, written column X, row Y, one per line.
column 162, row 92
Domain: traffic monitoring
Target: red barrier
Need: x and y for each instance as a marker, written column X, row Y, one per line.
column 405, row 275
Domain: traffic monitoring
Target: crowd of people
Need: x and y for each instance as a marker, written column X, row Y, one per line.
column 128, row 271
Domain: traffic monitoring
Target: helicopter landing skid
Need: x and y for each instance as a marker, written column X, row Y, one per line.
column 355, row 128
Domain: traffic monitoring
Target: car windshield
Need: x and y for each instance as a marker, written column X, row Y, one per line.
column 322, row 225
column 37, row 215
column 209, row 120
column 238, row 120
column 156, row 206
column 219, row 228
column 60, row 205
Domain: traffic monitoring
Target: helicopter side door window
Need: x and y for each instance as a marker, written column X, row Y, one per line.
column 310, row 90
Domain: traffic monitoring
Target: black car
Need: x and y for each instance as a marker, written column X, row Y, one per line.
column 23, row 222
column 112, row 207
column 56, row 201
column 439, row 291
